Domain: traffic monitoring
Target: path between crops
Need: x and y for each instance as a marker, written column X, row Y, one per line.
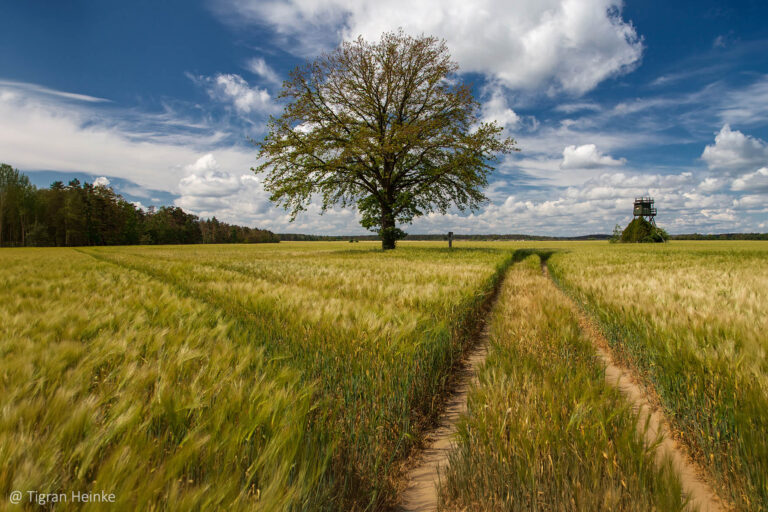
column 423, row 479
column 701, row 495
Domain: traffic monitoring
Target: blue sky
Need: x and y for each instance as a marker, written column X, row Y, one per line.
column 607, row 100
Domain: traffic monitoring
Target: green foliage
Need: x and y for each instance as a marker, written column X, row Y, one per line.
column 385, row 127
column 214, row 231
column 16, row 205
column 722, row 236
column 642, row 231
column 616, row 236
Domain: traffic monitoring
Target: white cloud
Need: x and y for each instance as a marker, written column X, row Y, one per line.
column 587, row 156
column 722, row 215
column 570, row 108
column 259, row 67
column 38, row 89
column 135, row 191
column 733, row 151
column 209, row 191
column 710, row 185
column 497, row 109
column 101, row 181
column 550, row 138
column 569, row 45
column 597, row 204
column 232, row 88
column 755, row 182
column 751, row 202
column 747, row 105
column 204, row 178
column 48, row 132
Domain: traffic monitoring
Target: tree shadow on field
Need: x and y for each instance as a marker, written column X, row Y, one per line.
column 543, row 254
column 444, row 253
column 416, row 250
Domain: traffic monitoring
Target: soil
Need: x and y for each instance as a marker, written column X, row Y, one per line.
column 423, row 478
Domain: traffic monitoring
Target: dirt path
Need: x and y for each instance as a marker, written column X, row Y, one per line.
column 423, row 479
column 701, row 495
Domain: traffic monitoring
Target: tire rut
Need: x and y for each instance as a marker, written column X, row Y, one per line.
column 695, row 487
column 421, row 494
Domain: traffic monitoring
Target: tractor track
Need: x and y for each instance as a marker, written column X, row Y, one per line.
column 652, row 425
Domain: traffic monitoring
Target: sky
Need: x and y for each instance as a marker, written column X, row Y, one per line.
column 607, row 100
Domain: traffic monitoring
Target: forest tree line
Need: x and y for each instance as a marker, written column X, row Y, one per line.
column 79, row 214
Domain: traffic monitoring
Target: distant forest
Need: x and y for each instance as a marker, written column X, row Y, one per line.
column 328, row 238
column 513, row 237
column 85, row 214
column 722, row 236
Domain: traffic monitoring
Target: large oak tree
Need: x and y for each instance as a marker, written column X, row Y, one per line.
column 385, row 126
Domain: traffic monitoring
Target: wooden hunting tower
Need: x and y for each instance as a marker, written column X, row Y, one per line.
column 644, row 208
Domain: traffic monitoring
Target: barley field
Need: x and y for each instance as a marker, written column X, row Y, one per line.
column 302, row 375
column 692, row 318
column 543, row 417
column 293, row 376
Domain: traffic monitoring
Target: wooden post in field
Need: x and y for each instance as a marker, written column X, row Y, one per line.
column 450, row 239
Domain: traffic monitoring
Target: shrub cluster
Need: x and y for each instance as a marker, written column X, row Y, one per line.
column 639, row 231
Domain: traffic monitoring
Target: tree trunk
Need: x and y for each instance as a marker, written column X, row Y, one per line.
column 387, row 233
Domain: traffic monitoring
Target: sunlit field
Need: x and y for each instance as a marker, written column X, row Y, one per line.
column 297, row 375
column 692, row 317
column 544, row 430
column 302, row 375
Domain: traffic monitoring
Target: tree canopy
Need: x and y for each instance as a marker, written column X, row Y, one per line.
column 385, row 126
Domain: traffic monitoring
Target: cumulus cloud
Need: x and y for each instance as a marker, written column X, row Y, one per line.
column 569, row 45
column 204, row 178
column 209, row 190
column 101, row 181
column 587, row 156
column 734, row 151
column 239, row 197
column 597, row 204
column 710, row 185
column 755, row 202
column 497, row 109
column 235, row 90
column 756, row 182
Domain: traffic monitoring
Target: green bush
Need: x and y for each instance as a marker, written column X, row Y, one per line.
column 642, row 231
